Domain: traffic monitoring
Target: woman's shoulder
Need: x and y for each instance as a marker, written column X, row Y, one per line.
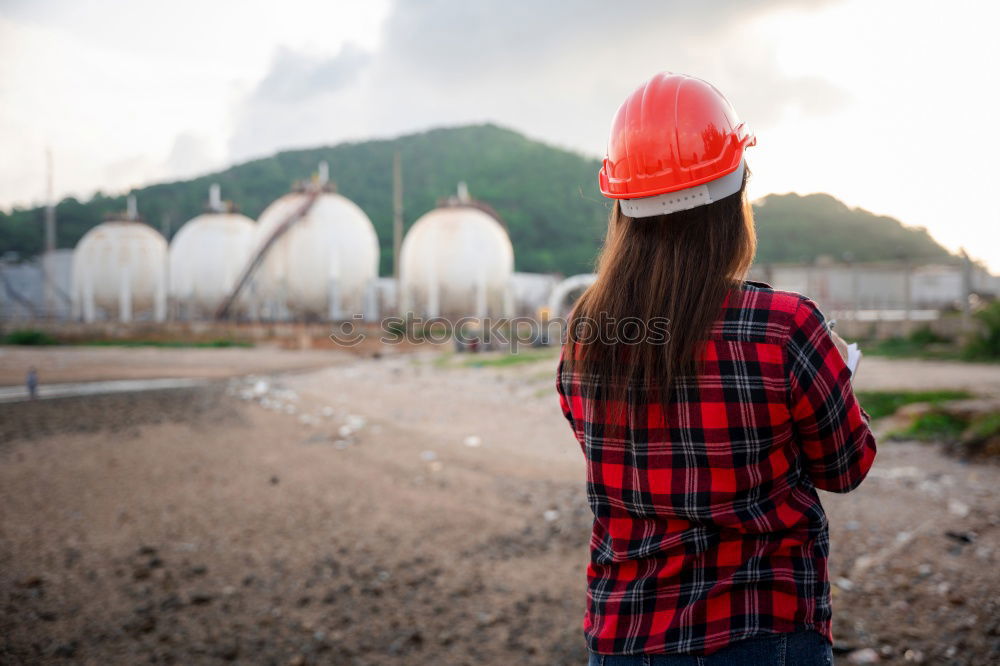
column 762, row 295
column 762, row 313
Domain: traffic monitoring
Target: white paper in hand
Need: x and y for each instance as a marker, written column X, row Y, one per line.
column 853, row 356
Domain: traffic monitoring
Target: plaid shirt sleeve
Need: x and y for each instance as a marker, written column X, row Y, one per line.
column 837, row 445
column 563, row 401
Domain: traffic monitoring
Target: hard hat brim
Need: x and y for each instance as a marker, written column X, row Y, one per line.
column 686, row 199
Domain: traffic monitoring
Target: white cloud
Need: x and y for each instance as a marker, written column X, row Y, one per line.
column 915, row 143
column 193, row 154
column 295, row 76
column 110, row 93
column 552, row 73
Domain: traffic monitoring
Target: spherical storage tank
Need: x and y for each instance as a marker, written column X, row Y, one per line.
column 119, row 267
column 457, row 261
column 207, row 256
column 324, row 265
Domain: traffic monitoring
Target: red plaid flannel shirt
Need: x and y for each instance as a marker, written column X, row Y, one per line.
column 708, row 528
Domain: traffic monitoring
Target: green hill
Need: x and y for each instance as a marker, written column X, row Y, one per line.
column 547, row 197
column 794, row 228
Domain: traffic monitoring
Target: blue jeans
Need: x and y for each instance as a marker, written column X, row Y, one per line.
column 802, row 648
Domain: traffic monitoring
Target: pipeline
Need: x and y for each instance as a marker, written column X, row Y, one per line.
column 311, row 195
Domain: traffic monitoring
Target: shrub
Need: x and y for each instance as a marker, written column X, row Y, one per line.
column 29, row 336
column 934, row 426
column 884, row 403
column 985, row 345
column 924, row 336
column 987, row 425
column 922, row 342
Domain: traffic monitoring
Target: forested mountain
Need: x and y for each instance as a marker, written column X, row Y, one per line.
column 798, row 228
column 547, row 196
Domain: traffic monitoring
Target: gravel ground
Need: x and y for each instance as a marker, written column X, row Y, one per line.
column 403, row 510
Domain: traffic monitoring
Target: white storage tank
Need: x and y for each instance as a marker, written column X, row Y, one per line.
column 324, row 265
column 457, row 261
column 207, row 256
column 119, row 271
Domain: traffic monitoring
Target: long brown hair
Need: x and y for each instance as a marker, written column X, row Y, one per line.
column 665, row 274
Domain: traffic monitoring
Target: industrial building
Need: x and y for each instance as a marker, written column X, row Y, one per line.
column 856, row 294
column 883, row 290
column 36, row 289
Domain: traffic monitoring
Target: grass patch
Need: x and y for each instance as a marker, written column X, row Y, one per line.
column 933, row 426
column 443, row 360
column 985, row 345
column 511, row 359
column 214, row 344
column 922, row 343
column 885, row 403
column 29, row 337
column 987, row 425
column 973, row 436
column 32, row 337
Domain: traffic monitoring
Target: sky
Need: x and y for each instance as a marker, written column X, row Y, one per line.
column 888, row 105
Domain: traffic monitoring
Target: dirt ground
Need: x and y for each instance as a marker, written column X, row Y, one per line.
column 79, row 364
column 408, row 509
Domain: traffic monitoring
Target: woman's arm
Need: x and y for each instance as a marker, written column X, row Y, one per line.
column 837, row 443
column 561, row 389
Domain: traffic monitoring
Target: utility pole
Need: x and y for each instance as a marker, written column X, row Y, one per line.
column 48, row 258
column 907, row 296
column 397, row 217
column 966, row 292
column 50, row 206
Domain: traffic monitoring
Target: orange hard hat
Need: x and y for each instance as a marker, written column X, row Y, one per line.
column 676, row 143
